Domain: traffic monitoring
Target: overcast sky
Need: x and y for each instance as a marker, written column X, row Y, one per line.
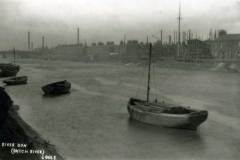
column 103, row 20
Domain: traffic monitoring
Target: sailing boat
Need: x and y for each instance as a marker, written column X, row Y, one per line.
column 9, row 69
column 163, row 114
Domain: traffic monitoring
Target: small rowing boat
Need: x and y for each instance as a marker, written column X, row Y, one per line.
column 8, row 70
column 16, row 80
column 57, row 88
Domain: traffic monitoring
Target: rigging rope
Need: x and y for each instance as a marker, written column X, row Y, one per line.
column 142, row 81
column 143, row 76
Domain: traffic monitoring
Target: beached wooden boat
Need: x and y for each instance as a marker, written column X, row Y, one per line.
column 7, row 70
column 16, row 80
column 57, row 88
column 163, row 114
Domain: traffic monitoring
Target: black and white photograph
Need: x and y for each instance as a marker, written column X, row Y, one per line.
column 119, row 79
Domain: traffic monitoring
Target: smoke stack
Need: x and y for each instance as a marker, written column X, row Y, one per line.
column 43, row 39
column 184, row 37
column 174, row 37
column 196, row 36
column 77, row 36
column 210, row 35
column 215, row 35
column 170, row 39
column 161, row 36
column 189, row 35
column 29, row 45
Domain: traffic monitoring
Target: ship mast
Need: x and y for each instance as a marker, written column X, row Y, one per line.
column 179, row 30
column 149, row 71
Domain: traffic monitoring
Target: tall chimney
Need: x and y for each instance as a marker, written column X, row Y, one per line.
column 169, row 39
column 189, row 34
column 77, row 36
column 32, row 45
column 29, row 41
column 215, row 35
column 174, row 37
column 184, row 37
column 43, row 39
column 161, row 36
column 210, row 34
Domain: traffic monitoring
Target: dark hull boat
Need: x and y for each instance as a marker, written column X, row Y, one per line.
column 163, row 114
column 57, row 88
column 16, row 80
column 8, row 70
column 166, row 115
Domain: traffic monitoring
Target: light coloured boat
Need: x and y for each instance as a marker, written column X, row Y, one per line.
column 166, row 115
column 163, row 114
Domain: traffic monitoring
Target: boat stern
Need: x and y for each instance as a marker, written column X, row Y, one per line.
column 195, row 119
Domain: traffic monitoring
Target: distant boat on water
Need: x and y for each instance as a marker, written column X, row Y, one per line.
column 16, row 80
column 8, row 69
column 163, row 114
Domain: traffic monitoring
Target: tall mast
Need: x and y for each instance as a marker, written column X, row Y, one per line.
column 149, row 71
column 179, row 29
column 78, row 36
column 29, row 39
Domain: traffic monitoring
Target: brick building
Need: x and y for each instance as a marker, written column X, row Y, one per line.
column 226, row 46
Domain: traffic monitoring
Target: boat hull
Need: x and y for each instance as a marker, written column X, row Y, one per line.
column 184, row 121
column 57, row 88
column 16, row 80
column 7, row 70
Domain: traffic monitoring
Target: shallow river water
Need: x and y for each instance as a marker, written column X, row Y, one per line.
column 92, row 121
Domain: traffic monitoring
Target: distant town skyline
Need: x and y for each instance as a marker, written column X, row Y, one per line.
column 108, row 20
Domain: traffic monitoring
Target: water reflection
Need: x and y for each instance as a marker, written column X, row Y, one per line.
column 177, row 140
column 52, row 96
